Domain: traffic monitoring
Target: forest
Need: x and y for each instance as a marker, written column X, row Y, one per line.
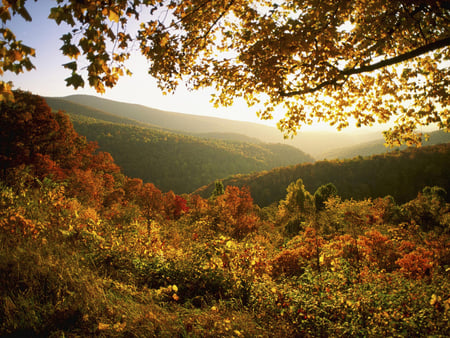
column 178, row 162
column 344, row 248
column 400, row 174
column 86, row 250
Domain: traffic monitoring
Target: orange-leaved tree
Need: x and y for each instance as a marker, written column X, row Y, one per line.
column 234, row 211
column 32, row 135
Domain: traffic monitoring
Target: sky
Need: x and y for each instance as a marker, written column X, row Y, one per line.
column 47, row 79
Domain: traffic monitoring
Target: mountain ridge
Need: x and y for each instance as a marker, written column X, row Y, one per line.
column 311, row 142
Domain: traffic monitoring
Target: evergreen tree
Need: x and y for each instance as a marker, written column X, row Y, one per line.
column 322, row 194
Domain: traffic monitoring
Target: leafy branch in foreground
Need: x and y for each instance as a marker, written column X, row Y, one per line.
column 342, row 62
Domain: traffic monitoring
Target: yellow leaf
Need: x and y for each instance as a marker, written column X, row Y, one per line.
column 113, row 16
column 434, row 299
column 119, row 326
column 102, row 326
column 164, row 40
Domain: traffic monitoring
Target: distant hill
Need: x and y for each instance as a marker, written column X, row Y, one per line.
column 180, row 162
column 229, row 137
column 84, row 110
column 314, row 143
column 378, row 147
column 170, row 120
column 400, row 174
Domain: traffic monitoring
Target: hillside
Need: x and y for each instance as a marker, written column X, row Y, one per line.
column 400, row 174
column 310, row 142
column 377, row 147
column 87, row 251
column 229, row 137
column 179, row 162
column 90, row 112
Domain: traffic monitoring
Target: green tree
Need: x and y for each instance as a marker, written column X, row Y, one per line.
column 429, row 209
column 295, row 208
column 322, row 194
column 298, row 199
column 218, row 190
column 367, row 61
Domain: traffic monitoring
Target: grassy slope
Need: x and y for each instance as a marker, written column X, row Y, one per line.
column 73, row 270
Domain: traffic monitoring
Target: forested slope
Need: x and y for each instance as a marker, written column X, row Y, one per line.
column 81, row 109
column 179, row 162
column 189, row 123
column 400, row 174
column 378, row 147
column 311, row 142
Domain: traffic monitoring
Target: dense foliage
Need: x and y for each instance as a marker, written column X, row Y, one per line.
column 179, row 162
column 367, row 61
column 87, row 251
column 400, row 174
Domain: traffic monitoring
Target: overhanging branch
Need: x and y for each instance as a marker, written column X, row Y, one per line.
column 369, row 68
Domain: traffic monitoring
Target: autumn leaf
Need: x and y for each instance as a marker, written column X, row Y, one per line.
column 71, row 65
column 113, row 16
column 102, row 326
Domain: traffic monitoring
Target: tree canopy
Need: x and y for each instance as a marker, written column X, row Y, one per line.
column 342, row 62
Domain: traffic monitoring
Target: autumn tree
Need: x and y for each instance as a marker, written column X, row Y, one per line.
column 322, row 194
column 234, row 212
column 298, row 199
column 296, row 208
column 27, row 128
column 342, row 62
column 429, row 209
column 33, row 136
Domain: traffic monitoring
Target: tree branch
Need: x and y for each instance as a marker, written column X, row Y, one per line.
column 369, row 68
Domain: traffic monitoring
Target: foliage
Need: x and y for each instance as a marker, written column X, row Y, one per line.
column 428, row 209
column 298, row 200
column 134, row 261
column 399, row 174
column 180, row 162
column 370, row 60
column 219, row 189
column 233, row 212
column 322, row 194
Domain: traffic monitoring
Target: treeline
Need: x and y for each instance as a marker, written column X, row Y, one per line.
column 180, row 162
column 399, row 174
